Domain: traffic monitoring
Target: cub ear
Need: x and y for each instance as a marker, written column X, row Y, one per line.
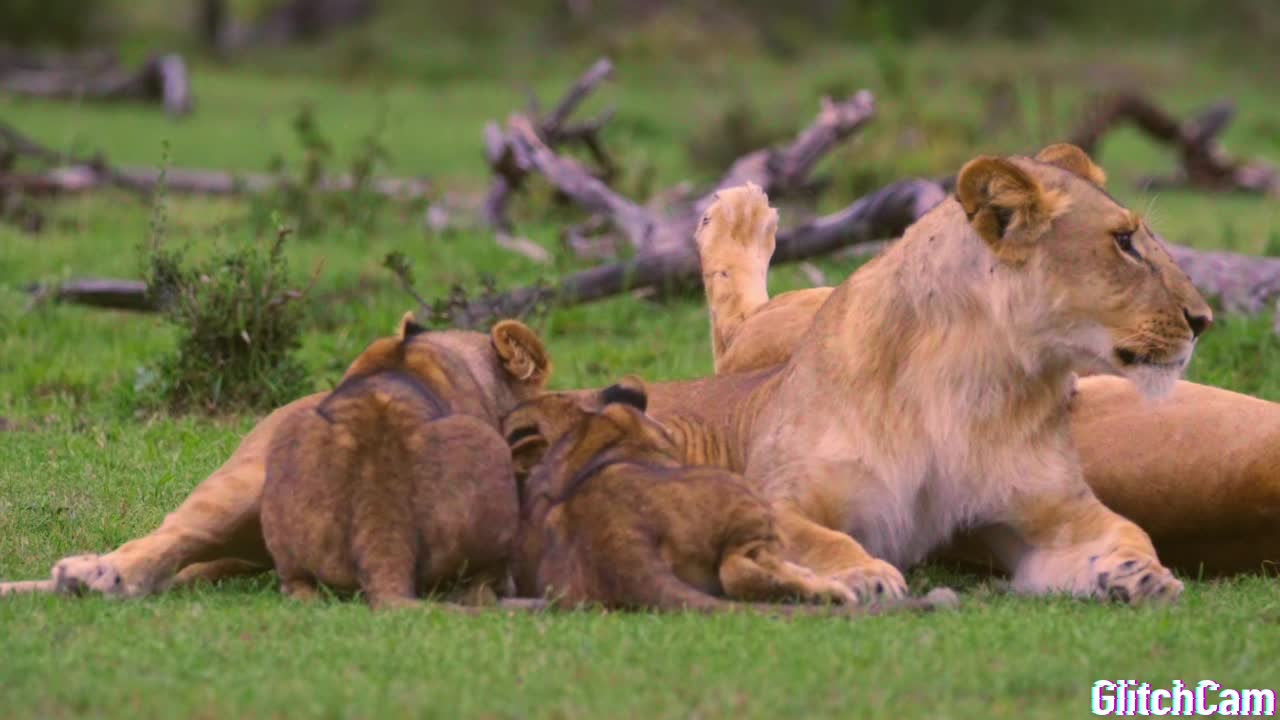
column 1073, row 160
column 1006, row 206
column 409, row 327
column 521, row 352
column 629, row 390
column 528, row 446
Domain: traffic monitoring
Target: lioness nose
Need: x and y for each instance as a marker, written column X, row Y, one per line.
column 1198, row 323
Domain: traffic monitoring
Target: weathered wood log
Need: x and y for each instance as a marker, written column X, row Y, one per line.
column 161, row 78
column 1240, row 283
column 1204, row 164
column 778, row 171
column 109, row 293
column 883, row 214
column 509, row 166
column 77, row 174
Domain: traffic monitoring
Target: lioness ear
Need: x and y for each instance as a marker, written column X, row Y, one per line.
column 1006, row 206
column 521, row 352
column 1073, row 160
column 627, row 391
column 409, row 327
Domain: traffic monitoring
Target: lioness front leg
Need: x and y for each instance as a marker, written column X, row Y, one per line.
column 1077, row 545
column 759, row 574
column 218, row 520
column 835, row 555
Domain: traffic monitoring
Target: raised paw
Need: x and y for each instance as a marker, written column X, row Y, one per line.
column 874, row 581
column 82, row 574
column 1133, row 578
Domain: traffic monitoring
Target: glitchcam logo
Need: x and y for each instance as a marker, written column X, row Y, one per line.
column 1128, row 697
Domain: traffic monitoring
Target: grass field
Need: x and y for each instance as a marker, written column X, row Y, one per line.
column 81, row 469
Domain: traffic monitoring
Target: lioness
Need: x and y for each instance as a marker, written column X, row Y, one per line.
column 394, row 484
column 928, row 395
column 611, row 516
column 1200, row 471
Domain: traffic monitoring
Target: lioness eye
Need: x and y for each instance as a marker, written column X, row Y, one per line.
column 1125, row 240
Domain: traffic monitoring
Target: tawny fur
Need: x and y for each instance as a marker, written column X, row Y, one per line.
column 398, row 483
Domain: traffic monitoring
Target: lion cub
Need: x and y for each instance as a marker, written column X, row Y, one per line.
column 398, row 483
column 611, row 516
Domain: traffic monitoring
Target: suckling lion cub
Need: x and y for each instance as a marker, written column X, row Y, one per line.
column 397, row 483
column 610, row 516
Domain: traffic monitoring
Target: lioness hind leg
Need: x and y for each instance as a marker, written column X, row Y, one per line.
column 218, row 520
column 1078, row 546
column 760, row 575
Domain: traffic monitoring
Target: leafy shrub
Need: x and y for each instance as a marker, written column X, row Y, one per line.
column 239, row 321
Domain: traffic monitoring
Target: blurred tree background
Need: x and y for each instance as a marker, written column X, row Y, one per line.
column 779, row 28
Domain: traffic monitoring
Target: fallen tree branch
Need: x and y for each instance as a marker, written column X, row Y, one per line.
column 1241, row 283
column 885, row 213
column 778, row 171
column 510, row 167
column 73, row 175
column 161, row 78
column 1204, row 164
column 112, row 294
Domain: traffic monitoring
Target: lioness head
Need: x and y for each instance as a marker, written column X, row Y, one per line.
column 510, row 362
column 1117, row 297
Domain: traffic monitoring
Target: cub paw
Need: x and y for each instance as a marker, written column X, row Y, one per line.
column 83, row 574
column 1133, row 578
column 874, row 581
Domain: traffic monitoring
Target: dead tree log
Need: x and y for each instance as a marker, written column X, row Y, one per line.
column 510, row 167
column 161, row 79
column 112, row 294
column 70, row 175
column 883, row 214
column 778, row 171
column 1204, row 163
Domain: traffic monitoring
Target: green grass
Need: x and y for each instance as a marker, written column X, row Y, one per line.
column 81, row 471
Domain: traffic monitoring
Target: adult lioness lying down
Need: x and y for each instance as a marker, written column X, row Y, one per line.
column 1136, row 455
column 1198, row 470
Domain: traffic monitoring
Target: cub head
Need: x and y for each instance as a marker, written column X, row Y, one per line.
column 510, row 362
column 568, row 431
column 1112, row 294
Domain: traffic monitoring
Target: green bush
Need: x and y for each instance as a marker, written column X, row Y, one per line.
column 239, row 320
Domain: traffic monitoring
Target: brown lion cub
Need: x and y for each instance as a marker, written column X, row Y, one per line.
column 610, row 515
column 397, row 483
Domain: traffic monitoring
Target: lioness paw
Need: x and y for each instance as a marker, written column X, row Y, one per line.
column 1133, row 578
column 874, row 581
column 82, row 574
column 742, row 216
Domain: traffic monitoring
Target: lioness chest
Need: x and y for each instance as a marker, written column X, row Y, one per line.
column 902, row 498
